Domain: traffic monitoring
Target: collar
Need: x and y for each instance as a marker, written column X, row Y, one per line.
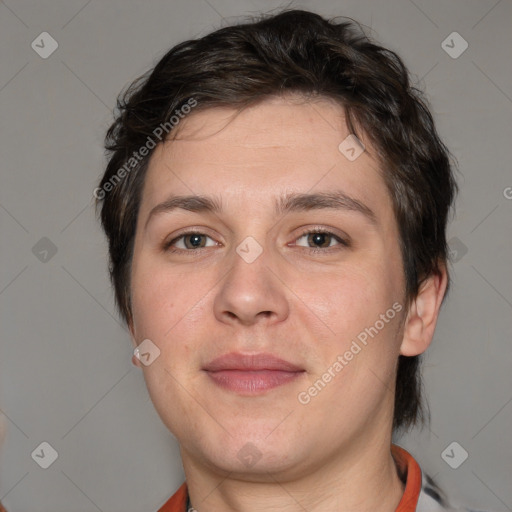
column 407, row 466
column 410, row 472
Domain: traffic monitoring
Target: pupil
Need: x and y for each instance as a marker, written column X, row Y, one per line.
column 319, row 238
column 195, row 240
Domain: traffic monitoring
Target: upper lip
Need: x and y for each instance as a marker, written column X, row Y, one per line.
column 248, row 362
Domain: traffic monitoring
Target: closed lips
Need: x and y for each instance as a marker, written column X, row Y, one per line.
column 250, row 375
column 251, row 362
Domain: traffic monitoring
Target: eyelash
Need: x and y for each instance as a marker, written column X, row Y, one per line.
column 345, row 243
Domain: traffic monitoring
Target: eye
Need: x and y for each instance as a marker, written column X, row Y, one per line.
column 321, row 239
column 190, row 241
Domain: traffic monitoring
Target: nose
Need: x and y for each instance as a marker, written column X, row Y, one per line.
column 252, row 292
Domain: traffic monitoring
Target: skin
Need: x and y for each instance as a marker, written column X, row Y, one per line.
column 332, row 453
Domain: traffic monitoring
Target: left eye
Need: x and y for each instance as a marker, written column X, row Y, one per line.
column 323, row 239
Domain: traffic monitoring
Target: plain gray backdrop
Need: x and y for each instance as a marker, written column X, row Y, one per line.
column 65, row 361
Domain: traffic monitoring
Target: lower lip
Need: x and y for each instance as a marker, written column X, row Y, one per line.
column 251, row 382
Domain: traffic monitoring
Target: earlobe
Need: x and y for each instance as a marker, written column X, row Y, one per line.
column 423, row 314
column 131, row 327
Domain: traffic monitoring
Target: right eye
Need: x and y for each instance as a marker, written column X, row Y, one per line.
column 190, row 241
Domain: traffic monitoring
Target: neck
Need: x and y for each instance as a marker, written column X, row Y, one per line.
column 365, row 478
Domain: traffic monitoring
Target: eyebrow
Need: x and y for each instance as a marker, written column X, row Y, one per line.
column 291, row 202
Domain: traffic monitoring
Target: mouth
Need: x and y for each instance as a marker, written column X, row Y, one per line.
column 251, row 374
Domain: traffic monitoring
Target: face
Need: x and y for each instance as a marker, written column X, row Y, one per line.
column 277, row 316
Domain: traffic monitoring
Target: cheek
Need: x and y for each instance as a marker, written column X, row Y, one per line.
column 171, row 309
column 163, row 305
column 161, row 299
column 348, row 299
column 358, row 354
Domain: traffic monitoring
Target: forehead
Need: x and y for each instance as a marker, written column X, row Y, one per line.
column 281, row 144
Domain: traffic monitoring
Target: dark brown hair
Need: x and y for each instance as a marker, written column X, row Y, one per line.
column 299, row 52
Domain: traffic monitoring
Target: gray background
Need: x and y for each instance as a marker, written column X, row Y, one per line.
column 66, row 372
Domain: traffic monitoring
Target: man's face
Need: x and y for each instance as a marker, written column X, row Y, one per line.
column 250, row 283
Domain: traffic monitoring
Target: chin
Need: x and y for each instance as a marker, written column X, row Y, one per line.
column 250, row 457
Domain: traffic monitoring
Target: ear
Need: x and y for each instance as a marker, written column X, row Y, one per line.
column 423, row 313
column 135, row 360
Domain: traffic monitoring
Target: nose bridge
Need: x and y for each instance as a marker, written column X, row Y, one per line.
column 250, row 289
column 250, row 271
column 254, row 258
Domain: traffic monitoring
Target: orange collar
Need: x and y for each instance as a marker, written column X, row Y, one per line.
column 177, row 502
column 405, row 462
column 409, row 469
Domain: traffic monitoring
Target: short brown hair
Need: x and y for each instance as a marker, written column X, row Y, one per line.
column 294, row 51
